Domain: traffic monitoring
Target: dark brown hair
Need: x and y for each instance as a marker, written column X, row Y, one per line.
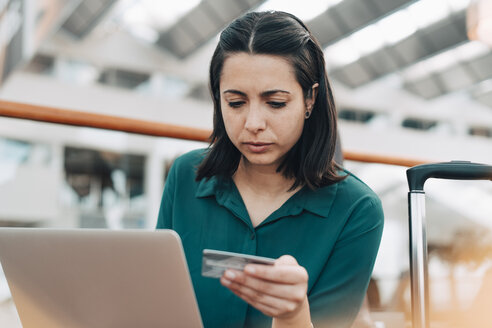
column 310, row 160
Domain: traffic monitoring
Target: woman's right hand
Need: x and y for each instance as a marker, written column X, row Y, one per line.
column 279, row 291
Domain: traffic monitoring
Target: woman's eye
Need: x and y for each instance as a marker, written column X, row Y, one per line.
column 276, row 104
column 236, row 104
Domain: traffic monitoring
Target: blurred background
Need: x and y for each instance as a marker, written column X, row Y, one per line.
column 412, row 79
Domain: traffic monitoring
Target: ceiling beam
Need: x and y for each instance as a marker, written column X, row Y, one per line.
column 456, row 77
column 201, row 24
column 427, row 42
column 349, row 16
column 86, row 16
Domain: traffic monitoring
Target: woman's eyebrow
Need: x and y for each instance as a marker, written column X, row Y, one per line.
column 263, row 94
column 236, row 92
column 271, row 92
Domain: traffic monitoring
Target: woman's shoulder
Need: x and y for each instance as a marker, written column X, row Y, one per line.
column 184, row 166
column 190, row 160
column 352, row 189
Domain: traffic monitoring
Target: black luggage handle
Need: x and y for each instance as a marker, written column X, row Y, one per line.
column 454, row 170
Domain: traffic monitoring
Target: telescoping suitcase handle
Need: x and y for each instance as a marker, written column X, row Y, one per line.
column 454, row 170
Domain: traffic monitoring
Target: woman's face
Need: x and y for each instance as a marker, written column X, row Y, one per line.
column 263, row 107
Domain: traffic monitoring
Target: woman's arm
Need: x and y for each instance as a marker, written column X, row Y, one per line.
column 164, row 220
column 339, row 290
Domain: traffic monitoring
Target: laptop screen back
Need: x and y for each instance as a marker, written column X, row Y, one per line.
column 98, row 278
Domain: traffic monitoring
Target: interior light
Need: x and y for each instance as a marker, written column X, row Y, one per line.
column 305, row 10
column 479, row 21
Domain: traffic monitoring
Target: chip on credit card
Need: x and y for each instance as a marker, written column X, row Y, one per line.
column 215, row 263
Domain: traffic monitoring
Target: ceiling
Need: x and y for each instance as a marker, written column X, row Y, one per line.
column 415, row 48
column 396, row 65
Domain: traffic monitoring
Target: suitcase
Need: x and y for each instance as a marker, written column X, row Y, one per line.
column 416, row 176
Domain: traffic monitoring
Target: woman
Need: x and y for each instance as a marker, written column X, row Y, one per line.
column 268, row 186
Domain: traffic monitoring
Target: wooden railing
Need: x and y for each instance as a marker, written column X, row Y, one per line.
column 107, row 122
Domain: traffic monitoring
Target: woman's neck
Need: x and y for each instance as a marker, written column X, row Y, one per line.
column 262, row 180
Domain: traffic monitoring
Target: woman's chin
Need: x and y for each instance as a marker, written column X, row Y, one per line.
column 260, row 160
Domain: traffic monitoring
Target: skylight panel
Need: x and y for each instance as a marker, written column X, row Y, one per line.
column 305, row 10
column 397, row 27
column 485, row 86
column 145, row 33
column 472, row 49
column 457, row 5
column 430, row 66
column 341, row 53
column 135, row 13
column 368, row 40
column 161, row 14
column 440, row 62
column 145, row 18
column 426, row 12
column 444, row 60
column 416, row 71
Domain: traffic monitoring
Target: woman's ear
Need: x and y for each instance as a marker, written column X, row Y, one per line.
column 311, row 96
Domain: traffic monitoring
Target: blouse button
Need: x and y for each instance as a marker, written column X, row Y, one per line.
column 253, row 236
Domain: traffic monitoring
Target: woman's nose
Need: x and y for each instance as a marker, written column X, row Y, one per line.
column 255, row 120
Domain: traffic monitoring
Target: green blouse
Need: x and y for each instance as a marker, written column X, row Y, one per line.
column 333, row 232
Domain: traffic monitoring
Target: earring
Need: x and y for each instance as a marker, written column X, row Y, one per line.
column 307, row 114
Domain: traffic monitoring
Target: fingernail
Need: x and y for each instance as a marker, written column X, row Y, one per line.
column 230, row 274
column 249, row 269
column 226, row 282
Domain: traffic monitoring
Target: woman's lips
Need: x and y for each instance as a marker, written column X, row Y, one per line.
column 257, row 147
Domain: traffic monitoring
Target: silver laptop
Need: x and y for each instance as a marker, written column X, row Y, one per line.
column 98, row 278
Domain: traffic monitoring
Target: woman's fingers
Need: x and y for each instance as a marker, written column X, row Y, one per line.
column 269, row 305
column 255, row 286
column 264, row 308
column 280, row 272
column 286, row 260
column 292, row 291
column 278, row 290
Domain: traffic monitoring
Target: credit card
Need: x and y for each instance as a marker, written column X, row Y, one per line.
column 215, row 263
